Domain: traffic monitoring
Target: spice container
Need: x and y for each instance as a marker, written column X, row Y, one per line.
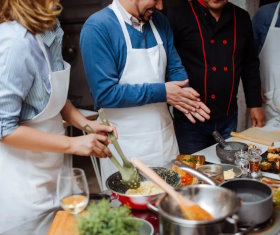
column 255, row 165
column 213, row 171
column 242, row 161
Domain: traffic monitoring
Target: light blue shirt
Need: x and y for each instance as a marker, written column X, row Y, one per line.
column 24, row 73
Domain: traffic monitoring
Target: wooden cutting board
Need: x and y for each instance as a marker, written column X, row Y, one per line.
column 258, row 135
column 64, row 223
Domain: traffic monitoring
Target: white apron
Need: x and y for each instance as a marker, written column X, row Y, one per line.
column 27, row 178
column 270, row 67
column 146, row 131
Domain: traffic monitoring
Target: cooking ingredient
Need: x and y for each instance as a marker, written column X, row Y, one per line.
column 272, row 157
column 266, row 166
column 193, row 161
column 229, row 174
column 104, row 220
column 146, row 188
column 74, row 204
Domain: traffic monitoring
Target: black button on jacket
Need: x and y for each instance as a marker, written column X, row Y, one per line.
column 217, row 54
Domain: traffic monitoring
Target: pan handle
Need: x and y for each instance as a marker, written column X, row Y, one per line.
column 151, row 205
column 194, row 172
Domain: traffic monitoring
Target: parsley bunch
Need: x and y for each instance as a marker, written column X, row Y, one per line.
column 104, row 220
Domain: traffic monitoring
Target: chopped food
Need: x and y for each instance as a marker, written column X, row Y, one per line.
column 273, row 150
column 229, row 174
column 146, row 188
column 103, row 220
column 272, row 157
column 194, row 161
column 266, row 166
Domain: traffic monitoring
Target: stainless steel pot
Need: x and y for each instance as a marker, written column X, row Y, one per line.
column 220, row 202
column 257, row 203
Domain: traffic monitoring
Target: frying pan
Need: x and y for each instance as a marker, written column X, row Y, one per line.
column 139, row 201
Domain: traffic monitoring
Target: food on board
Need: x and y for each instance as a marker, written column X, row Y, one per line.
column 193, row 161
column 272, row 157
column 266, row 166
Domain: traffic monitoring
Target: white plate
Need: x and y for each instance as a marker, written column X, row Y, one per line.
column 237, row 171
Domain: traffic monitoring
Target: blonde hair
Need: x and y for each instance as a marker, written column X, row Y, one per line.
column 35, row 15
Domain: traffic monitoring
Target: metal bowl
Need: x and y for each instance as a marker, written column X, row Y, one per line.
column 139, row 201
column 228, row 156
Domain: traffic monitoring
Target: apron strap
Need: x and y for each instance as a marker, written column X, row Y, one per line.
column 43, row 48
column 123, row 26
column 125, row 31
column 156, row 34
column 275, row 17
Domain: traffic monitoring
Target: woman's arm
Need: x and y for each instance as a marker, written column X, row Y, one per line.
column 34, row 140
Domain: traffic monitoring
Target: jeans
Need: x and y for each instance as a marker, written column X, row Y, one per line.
column 195, row 137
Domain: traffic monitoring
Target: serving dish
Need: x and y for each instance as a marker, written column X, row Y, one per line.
column 237, row 171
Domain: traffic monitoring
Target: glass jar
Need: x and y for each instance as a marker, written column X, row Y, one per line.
column 255, row 164
column 242, row 161
column 213, row 171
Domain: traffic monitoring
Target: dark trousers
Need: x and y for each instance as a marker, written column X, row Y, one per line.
column 194, row 137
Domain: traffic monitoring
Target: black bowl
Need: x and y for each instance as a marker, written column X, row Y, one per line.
column 228, row 156
column 171, row 177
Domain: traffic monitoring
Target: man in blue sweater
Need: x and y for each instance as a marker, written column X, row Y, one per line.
column 266, row 25
column 134, row 71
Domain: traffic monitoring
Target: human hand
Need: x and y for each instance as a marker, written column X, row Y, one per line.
column 99, row 128
column 186, row 100
column 257, row 116
column 91, row 144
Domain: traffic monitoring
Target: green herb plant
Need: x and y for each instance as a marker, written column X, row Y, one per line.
column 104, row 220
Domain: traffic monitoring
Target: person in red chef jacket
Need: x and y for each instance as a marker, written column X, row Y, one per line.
column 214, row 39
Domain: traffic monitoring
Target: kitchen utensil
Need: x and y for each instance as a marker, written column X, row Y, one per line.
column 129, row 174
column 139, row 202
column 226, row 150
column 257, row 204
column 213, row 171
column 189, row 209
column 237, row 171
column 220, row 202
column 218, row 137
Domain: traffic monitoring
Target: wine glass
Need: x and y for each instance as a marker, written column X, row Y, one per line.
column 72, row 190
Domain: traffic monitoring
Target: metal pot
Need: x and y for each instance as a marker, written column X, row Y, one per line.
column 139, row 201
column 257, row 200
column 220, row 202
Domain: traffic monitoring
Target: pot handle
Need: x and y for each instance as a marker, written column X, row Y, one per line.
column 194, row 172
column 151, row 205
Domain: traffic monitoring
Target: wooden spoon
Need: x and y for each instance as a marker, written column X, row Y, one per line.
column 190, row 209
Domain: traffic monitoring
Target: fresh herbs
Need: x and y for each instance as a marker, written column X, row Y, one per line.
column 104, row 220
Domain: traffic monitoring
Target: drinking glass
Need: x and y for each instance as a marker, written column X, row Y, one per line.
column 72, row 190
